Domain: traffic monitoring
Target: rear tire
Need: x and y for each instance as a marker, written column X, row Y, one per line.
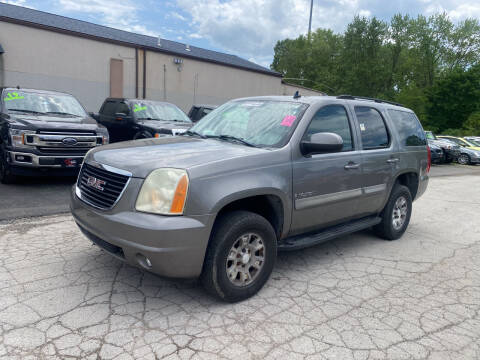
column 396, row 214
column 240, row 257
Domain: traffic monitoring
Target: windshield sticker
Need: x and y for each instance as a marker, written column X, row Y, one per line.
column 13, row 96
column 139, row 108
column 288, row 120
column 362, row 126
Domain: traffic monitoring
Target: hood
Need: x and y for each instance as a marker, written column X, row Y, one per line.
column 140, row 157
column 47, row 122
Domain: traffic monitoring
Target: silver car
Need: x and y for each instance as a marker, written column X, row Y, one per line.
column 256, row 175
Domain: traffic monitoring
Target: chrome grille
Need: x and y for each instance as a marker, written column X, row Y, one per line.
column 52, row 142
column 105, row 196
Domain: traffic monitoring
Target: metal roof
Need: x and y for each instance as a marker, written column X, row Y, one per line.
column 36, row 18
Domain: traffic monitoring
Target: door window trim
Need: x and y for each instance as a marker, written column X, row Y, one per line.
column 389, row 134
column 349, row 120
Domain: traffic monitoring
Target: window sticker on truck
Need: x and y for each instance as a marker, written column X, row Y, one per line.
column 13, row 96
column 288, row 120
column 139, row 108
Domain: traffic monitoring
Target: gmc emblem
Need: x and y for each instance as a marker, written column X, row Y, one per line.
column 95, row 183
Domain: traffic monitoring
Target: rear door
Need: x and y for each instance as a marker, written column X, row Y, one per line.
column 327, row 187
column 379, row 158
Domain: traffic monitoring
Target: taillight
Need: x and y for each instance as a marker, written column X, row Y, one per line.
column 429, row 164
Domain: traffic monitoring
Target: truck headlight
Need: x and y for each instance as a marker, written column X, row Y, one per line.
column 164, row 192
column 19, row 137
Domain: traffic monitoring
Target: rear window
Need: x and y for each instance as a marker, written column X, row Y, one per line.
column 109, row 108
column 408, row 127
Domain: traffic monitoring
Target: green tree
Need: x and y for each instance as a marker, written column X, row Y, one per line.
column 453, row 99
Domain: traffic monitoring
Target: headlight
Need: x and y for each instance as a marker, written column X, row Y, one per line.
column 164, row 192
column 18, row 137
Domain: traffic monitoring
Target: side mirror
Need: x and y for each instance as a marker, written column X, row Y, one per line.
column 321, row 143
column 93, row 115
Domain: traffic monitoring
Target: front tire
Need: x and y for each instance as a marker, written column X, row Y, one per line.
column 396, row 214
column 464, row 159
column 240, row 257
column 6, row 176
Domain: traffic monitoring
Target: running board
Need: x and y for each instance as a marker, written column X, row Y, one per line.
column 302, row 241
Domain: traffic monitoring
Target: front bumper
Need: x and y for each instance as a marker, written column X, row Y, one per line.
column 175, row 246
column 31, row 160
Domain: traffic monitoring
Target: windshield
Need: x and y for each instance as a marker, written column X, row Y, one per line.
column 146, row 110
column 430, row 135
column 474, row 142
column 42, row 103
column 257, row 122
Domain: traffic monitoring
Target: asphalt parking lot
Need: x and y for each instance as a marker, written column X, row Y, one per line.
column 49, row 196
column 356, row 297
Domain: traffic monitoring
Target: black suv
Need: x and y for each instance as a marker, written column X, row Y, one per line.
column 132, row 119
column 44, row 132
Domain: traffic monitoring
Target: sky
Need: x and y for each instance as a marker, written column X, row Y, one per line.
column 247, row 28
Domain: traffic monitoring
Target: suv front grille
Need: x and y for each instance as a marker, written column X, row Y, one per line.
column 100, row 188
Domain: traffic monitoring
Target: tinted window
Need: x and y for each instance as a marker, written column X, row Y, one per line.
column 334, row 119
column 372, row 127
column 109, row 108
column 123, row 108
column 408, row 127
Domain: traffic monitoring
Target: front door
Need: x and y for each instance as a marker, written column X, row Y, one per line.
column 327, row 187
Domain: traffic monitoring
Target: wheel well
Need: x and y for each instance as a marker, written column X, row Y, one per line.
column 268, row 206
column 410, row 180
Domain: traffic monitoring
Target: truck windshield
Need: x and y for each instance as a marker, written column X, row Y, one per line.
column 147, row 110
column 56, row 105
column 263, row 123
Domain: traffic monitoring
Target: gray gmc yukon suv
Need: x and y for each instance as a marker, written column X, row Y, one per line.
column 256, row 175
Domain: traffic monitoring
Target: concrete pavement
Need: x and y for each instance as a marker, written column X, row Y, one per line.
column 357, row 297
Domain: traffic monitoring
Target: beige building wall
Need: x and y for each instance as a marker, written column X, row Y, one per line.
column 50, row 60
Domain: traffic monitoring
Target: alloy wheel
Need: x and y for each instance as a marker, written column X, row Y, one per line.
column 245, row 259
column 399, row 214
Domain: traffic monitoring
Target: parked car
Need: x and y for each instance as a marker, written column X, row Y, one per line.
column 451, row 150
column 44, row 133
column 468, row 156
column 199, row 111
column 436, row 152
column 132, row 119
column 475, row 139
column 461, row 142
column 259, row 174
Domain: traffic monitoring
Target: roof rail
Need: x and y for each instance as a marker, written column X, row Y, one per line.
column 351, row 97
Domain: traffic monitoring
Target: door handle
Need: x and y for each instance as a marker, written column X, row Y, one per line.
column 393, row 160
column 351, row 165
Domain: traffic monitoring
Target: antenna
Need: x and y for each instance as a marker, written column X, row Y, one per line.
column 297, row 95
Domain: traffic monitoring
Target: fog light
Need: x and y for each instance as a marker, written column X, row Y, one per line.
column 22, row 158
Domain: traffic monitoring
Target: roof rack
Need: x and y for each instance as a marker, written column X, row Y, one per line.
column 351, row 97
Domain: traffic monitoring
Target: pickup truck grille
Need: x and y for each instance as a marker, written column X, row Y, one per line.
column 65, row 143
column 100, row 188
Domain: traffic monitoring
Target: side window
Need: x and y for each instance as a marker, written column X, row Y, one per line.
column 109, row 108
column 408, row 127
column 372, row 128
column 334, row 119
column 123, row 108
